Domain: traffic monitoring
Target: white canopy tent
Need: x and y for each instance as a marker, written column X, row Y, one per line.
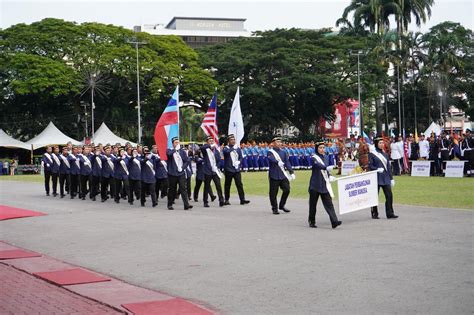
column 9, row 142
column 104, row 135
column 434, row 127
column 50, row 135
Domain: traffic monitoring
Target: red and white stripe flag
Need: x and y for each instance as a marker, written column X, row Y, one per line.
column 209, row 123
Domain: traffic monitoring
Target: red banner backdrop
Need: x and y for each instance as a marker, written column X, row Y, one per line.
column 346, row 116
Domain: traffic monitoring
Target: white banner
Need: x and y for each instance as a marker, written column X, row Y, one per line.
column 454, row 169
column 348, row 166
column 356, row 192
column 420, row 168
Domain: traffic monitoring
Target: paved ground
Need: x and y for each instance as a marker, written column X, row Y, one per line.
column 244, row 260
column 22, row 293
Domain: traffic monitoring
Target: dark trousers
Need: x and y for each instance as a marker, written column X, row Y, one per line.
column 197, row 186
column 150, row 188
column 161, row 187
column 238, row 183
column 134, row 189
column 188, row 187
column 207, row 187
column 121, row 186
column 47, row 179
column 54, row 177
column 63, row 181
column 85, row 185
column 94, row 186
column 327, row 203
column 105, row 183
column 284, row 184
column 396, row 167
column 74, row 181
column 173, row 182
column 387, row 191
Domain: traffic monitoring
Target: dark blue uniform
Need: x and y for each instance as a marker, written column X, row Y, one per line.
column 121, row 174
column 278, row 179
column 63, row 173
column 107, row 175
column 48, row 163
column 210, row 174
column 134, row 178
column 317, row 188
column 161, row 175
column 232, row 172
column 177, row 177
column 148, row 179
column 86, row 174
column 384, row 181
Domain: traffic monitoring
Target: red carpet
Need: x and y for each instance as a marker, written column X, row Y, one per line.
column 70, row 276
column 7, row 213
column 168, row 307
column 17, row 253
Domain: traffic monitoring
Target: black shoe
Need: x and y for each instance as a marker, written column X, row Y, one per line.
column 93, row 198
column 375, row 215
column 226, row 203
column 170, row 208
column 336, row 224
column 55, row 194
column 142, row 204
column 392, row 216
column 206, row 205
column 244, row 202
column 62, row 196
column 188, row 207
column 130, row 203
column 196, row 200
column 312, row 225
column 221, row 203
column 154, row 204
column 103, row 200
column 83, row 198
column 275, row 211
column 285, row 209
column 47, row 194
column 72, row 196
column 213, row 198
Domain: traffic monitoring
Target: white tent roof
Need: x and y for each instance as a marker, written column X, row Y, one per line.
column 51, row 135
column 104, row 135
column 9, row 142
column 434, row 127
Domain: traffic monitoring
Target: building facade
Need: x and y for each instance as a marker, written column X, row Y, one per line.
column 199, row 31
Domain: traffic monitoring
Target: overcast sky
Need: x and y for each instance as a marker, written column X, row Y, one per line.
column 260, row 14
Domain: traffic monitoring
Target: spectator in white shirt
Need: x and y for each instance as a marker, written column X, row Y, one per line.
column 396, row 149
column 424, row 147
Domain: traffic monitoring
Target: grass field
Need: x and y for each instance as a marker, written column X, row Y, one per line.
column 423, row 191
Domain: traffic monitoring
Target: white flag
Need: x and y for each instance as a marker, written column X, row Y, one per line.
column 236, row 123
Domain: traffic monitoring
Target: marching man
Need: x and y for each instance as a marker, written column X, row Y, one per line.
column 211, row 170
column 319, row 185
column 232, row 159
column 280, row 174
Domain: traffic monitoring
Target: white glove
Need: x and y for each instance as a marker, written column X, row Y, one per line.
column 332, row 179
column 392, row 183
column 47, row 164
column 213, row 145
column 135, row 155
column 281, row 164
column 293, row 176
column 236, row 146
column 178, row 146
column 179, row 169
column 330, row 168
column 380, row 170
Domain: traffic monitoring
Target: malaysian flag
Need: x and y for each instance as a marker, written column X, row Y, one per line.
column 209, row 123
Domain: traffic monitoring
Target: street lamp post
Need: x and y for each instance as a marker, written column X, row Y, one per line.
column 136, row 43
column 83, row 104
column 358, row 96
column 440, row 106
